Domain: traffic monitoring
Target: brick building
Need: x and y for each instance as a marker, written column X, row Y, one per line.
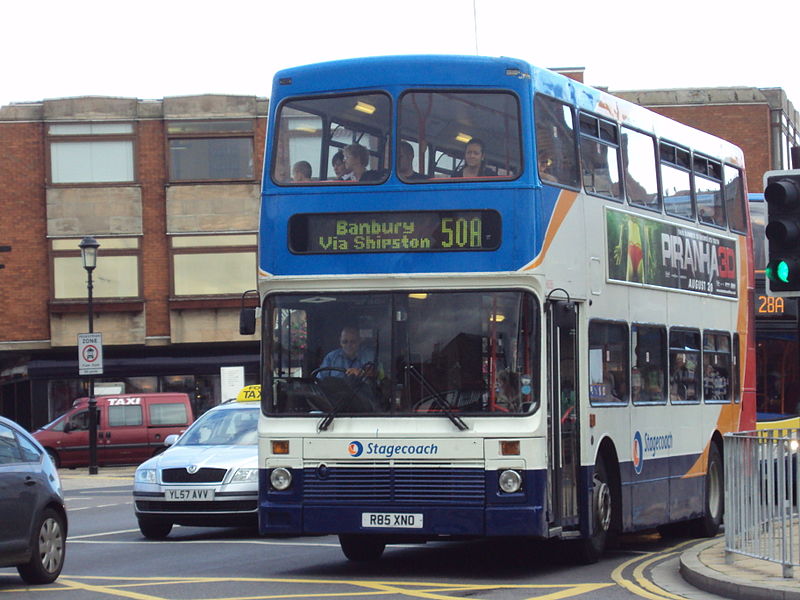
column 170, row 189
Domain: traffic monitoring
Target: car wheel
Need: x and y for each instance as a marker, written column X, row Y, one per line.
column 362, row 548
column 154, row 529
column 48, row 549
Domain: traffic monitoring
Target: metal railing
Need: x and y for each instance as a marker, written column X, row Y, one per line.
column 762, row 485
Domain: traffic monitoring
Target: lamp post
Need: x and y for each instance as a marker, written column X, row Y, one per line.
column 89, row 247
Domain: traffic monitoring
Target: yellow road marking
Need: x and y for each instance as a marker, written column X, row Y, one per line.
column 641, row 586
column 120, row 586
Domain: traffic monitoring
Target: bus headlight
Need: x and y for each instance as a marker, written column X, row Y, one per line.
column 280, row 478
column 510, row 481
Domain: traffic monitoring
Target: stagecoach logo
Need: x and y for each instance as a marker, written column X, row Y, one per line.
column 192, row 469
column 638, row 456
column 649, row 444
column 355, row 448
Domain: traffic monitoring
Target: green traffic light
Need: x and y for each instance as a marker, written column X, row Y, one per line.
column 783, row 271
column 778, row 271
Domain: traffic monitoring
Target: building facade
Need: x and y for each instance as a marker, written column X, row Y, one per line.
column 170, row 189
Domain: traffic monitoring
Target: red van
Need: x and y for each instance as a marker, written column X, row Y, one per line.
column 130, row 429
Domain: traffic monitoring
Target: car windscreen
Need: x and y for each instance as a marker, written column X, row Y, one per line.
column 234, row 427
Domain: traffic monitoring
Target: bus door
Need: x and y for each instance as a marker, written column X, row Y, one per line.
column 562, row 339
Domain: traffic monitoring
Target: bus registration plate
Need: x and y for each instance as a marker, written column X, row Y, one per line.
column 403, row 520
column 184, row 494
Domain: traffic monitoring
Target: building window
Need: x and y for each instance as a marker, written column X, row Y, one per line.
column 213, row 265
column 116, row 274
column 91, row 153
column 210, row 150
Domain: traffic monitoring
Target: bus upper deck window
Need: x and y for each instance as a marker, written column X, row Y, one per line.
column 332, row 140
column 458, row 136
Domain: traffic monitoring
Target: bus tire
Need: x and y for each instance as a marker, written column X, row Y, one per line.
column 154, row 529
column 362, row 548
column 589, row 550
column 714, row 498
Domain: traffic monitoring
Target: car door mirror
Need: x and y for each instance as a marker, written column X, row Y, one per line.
column 171, row 439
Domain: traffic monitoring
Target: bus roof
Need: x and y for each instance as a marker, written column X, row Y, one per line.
column 399, row 70
column 441, row 71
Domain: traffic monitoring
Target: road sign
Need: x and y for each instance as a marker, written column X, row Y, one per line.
column 90, row 353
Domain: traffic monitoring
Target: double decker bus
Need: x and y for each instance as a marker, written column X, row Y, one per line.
column 495, row 302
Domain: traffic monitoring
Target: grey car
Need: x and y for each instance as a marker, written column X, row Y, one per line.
column 208, row 477
column 33, row 526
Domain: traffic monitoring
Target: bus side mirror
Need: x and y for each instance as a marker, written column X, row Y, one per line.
column 247, row 321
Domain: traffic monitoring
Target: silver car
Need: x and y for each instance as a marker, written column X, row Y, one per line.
column 33, row 522
column 208, row 477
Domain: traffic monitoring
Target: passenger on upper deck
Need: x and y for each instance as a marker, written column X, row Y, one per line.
column 405, row 162
column 337, row 162
column 356, row 161
column 474, row 161
column 301, row 171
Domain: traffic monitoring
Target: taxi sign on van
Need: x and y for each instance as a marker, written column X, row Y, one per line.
column 249, row 393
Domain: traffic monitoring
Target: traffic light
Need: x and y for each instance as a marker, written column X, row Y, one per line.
column 782, row 193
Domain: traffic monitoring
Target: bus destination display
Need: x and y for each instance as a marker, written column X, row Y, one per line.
column 423, row 231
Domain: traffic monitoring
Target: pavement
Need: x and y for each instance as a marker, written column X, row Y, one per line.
column 702, row 565
column 79, row 478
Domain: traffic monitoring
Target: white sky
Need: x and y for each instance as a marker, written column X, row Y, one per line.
column 158, row 48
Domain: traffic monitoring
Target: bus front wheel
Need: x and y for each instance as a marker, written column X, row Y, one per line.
column 602, row 512
column 362, row 548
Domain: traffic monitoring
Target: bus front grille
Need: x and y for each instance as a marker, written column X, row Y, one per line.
column 402, row 486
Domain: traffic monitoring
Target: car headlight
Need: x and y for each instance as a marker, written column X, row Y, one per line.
column 145, row 476
column 510, row 481
column 245, row 476
column 280, row 478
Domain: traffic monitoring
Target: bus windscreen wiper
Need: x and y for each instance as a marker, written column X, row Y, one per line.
column 328, row 418
column 438, row 398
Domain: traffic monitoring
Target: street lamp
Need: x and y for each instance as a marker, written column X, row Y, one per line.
column 89, row 247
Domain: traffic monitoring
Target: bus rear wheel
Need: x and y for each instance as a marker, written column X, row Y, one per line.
column 362, row 548
column 714, row 502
